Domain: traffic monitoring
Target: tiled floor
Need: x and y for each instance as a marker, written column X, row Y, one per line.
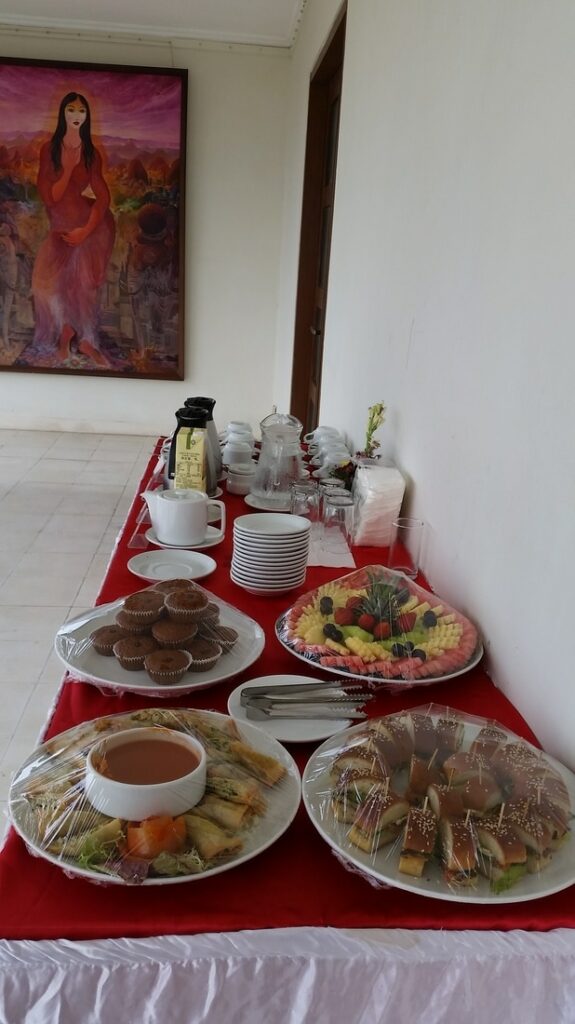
column 63, row 499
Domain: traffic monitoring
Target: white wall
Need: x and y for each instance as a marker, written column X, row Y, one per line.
column 236, row 108
column 451, row 297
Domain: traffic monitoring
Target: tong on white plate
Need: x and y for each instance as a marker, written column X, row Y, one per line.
column 314, row 711
column 332, row 688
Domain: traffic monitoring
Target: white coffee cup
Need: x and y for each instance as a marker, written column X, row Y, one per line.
column 319, row 433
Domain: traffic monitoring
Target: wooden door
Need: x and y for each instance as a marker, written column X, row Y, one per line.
column 316, row 225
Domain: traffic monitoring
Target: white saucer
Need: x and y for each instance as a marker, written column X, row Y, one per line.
column 263, row 506
column 286, row 730
column 212, row 537
column 169, row 565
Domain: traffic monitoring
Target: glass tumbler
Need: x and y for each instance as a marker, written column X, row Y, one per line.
column 405, row 550
column 338, row 514
column 304, row 501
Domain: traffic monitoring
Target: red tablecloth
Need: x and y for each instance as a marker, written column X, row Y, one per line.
column 298, row 881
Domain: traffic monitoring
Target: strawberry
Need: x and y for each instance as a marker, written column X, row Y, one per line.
column 354, row 602
column 382, row 630
column 406, row 621
column 366, row 622
column 344, row 616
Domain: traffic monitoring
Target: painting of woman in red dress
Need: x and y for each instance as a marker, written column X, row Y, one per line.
column 71, row 263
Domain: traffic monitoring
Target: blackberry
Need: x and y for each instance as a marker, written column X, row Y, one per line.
column 418, row 653
column 429, row 619
column 332, row 632
column 326, row 606
column 398, row 650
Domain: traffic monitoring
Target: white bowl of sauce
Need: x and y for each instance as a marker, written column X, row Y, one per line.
column 141, row 773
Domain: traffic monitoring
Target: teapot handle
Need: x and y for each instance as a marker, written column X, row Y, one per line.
column 222, row 507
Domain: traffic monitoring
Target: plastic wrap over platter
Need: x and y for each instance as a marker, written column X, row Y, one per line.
column 214, row 643
column 379, row 625
column 252, row 792
column 446, row 805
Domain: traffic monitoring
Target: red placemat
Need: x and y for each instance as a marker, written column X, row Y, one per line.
column 298, row 881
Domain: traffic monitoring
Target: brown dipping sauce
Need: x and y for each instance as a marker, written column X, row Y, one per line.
column 146, row 762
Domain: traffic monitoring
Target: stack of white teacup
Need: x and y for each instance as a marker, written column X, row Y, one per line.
column 327, row 450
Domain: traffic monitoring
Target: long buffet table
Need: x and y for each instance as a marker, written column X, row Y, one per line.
column 290, row 935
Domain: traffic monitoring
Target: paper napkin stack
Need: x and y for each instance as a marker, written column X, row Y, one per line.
column 378, row 492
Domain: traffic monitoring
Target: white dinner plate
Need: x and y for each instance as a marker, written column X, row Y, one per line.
column 74, row 648
column 286, row 730
column 213, row 537
column 383, row 865
column 265, row 506
column 266, row 591
column 272, row 526
column 169, row 565
column 282, row 800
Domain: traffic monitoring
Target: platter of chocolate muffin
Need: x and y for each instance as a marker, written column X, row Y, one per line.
column 172, row 638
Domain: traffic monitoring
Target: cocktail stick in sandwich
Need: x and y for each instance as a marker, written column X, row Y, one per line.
column 378, row 821
column 450, row 733
column 362, row 758
column 423, row 734
column 352, row 789
column 418, row 841
column 501, row 854
column 488, row 740
column 459, row 852
column 535, row 832
column 423, row 772
column 463, row 766
column 445, row 801
column 391, row 736
column 481, row 794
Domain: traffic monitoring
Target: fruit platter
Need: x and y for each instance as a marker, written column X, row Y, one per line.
column 378, row 624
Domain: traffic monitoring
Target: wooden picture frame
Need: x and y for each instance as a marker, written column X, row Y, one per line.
column 92, row 204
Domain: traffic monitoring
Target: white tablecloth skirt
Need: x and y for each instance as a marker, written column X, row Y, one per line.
column 293, row 976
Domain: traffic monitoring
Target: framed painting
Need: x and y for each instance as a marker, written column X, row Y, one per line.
column 92, row 191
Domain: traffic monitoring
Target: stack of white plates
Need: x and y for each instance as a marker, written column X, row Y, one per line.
column 270, row 552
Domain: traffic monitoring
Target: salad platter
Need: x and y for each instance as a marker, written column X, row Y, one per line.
column 379, row 625
column 446, row 805
column 252, row 794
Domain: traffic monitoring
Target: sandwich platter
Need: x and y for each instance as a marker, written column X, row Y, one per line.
column 466, row 786
column 50, row 809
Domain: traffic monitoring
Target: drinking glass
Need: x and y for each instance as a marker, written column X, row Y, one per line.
column 406, row 545
column 338, row 512
column 304, row 501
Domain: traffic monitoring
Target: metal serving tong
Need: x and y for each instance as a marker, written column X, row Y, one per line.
column 309, row 700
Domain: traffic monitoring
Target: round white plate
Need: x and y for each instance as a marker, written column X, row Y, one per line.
column 272, row 526
column 262, row 504
column 170, row 565
column 213, row 537
column 74, row 648
column 282, row 800
column 268, row 579
column 266, row 591
column 286, row 730
column 383, row 865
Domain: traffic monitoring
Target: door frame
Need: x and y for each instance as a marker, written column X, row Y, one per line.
column 328, row 63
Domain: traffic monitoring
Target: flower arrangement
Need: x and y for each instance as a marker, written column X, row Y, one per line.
column 375, row 419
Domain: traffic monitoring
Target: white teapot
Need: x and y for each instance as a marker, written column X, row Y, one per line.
column 180, row 517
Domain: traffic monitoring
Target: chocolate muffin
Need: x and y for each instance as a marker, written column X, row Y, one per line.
column 211, row 613
column 168, row 586
column 225, row 636
column 185, row 605
column 174, row 634
column 105, row 637
column 131, row 651
column 205, row 654
column 144, row 606
column 130, row 628
column 167, row 667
